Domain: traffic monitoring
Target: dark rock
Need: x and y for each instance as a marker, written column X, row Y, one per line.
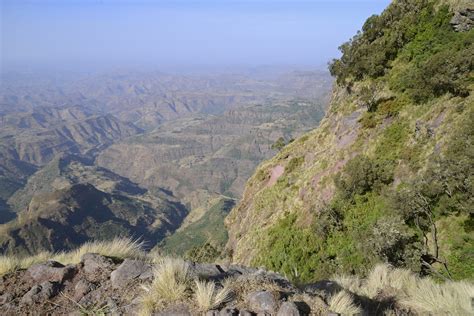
column 324, row 288
column 5, row 298
column 82, row 288
column 228, row 312
column 245, row 313
column 97, row 267
column 129, row 270
column 40, row 293
column 288, row 309
column 463, row 20
column 51, row 271
column 112, row 307
column 262, row 301
column 206, row 271
column 176, row 310
column 238, row 270
column 212, row 313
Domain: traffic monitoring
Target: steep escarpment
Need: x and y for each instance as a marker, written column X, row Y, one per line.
column 387, row 176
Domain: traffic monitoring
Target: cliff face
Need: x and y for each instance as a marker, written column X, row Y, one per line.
column 387, row 176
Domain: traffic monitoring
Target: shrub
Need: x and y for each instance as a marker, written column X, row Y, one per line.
column 361, row 175
column 203, row 253
column 293, row 164
column 279, row 144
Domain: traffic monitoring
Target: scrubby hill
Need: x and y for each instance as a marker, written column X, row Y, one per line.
column 388, row 174
column 201, row 158
column 71, row 201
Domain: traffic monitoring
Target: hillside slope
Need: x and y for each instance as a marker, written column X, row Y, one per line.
column 388, row 174
column 71, row 201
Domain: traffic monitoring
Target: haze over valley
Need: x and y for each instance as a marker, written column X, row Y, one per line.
column 237, row 158
column 190, row 140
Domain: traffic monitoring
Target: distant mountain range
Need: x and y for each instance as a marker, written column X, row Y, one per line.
column 186, row 142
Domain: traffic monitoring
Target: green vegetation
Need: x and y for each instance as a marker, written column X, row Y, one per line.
column 412, row 49
column 413, row 44
column 293, row 250
column 424, row 224
column 203, row 240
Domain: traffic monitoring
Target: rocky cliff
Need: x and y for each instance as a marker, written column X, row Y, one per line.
column 387, row 176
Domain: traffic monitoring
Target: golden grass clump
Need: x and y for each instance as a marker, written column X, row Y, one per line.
column 208, row 297
column 421, row 295
column 118, row 248
column 11, row 263
column 450, row 298
column 343, row 303
column 171, row 283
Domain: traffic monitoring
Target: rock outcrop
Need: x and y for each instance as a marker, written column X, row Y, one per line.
column 115, row 286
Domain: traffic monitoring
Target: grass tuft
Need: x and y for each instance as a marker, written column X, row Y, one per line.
column 10, row 263
column 421, row 295
column 343, row 303
column 171, row 283
column 208, row 297
column 118, row 248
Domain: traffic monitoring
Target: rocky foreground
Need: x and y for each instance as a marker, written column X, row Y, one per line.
column 106, row 285
column 123, row 280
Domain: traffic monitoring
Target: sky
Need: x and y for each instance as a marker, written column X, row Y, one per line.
column 178, row 32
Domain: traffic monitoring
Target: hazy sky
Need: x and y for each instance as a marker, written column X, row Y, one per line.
column 179, row 32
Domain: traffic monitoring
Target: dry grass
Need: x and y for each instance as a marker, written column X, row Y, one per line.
column 450, row 298
column 316, row 304
column 343, row 303
column 421, row 295
column 118, row 247
column 11, row 263
column 171, row 283
column 208, row 297
column 243, row 285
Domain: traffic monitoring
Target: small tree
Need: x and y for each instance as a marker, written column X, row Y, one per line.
column 279, row 144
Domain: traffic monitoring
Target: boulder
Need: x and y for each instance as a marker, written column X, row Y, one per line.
column 228, row 312
column 40, row 293
column 206, row 271
column 129, row 270
column 262, row 302
column 96, row 267
column 463, row 20
column 6, row 298
column 288, row 309
column 244, row 312
column 175, row 310
column 82, row 288
column 51, row 271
